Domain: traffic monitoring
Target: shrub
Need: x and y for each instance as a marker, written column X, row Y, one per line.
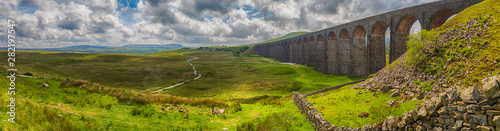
column 235, row 108
column 426, row 86
column 144, row 111
column 416, row 46
column 417, row 82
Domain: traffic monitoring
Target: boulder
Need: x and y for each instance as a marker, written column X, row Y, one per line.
column 390, row 122
column 491, row 87
column 471, row 93
column 421, row 113
column 391, row 102
column 363, row 114
column 359, row 92
column 492, row 78
column 395, row 93
column 375, row 95
column 83, row 86
column 45, row 85
column 368, row 101
column 215, row 111
column 96, row 85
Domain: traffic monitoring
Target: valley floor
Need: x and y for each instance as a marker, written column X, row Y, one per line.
column 111, row 91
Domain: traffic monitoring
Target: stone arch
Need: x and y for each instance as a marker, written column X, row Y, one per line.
column 359, row 32
column 380, row 28
column 440, row 17
column 295, row 51
column 398, row 43
column 311, row 51
column 300, row 52
column 357, row 54
column 405, row 23
column 332, row 36
column 305, row 51
column 344, row 34
column 343, row 53
column 331, row 53
column 289, row 46
column 319, row 63
column 376, row 47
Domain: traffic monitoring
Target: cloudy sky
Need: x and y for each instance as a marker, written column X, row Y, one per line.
column 193, row 23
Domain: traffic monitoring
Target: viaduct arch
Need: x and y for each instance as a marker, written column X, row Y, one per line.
column 357, row 48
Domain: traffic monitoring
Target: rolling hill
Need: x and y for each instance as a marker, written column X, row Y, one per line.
column 93, row 49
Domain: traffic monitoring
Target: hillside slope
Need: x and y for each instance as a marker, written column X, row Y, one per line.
column 462, row 52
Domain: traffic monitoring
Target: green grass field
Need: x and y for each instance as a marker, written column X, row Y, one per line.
column 254, row 91
column 342, row 106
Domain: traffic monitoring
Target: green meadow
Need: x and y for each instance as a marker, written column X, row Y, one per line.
column 254, row 91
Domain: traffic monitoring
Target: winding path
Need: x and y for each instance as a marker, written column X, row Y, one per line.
column 178, row 84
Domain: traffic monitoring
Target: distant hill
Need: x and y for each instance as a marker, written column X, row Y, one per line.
column 93, row 49
column 289, row 35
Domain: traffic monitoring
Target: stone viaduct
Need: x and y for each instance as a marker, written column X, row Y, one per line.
column 357, row 48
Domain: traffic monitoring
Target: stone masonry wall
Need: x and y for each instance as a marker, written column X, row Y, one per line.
column 456, row 108
column 312, row 115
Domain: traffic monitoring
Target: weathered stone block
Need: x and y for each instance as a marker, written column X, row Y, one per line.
column 496, row 106
column 459, row 123
column 456, row 115
column 496, row 122
column 471, row 93
column 491, row 89
column 451, row 108
column 421, row 113
column 478, row 119
column 492, row 112
column 484, row 128
column 462, row 108
column 442, row 111
column 453, row 94
column 472, row 108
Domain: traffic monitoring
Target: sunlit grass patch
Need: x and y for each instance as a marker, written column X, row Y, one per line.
column 342, row 106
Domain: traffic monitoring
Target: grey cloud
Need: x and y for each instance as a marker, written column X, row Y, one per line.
column 160, row 12
column 241, row 30
column 70, row 23
column 102, row 26
column 164, row 16
column 196, row 8
column 325, row 6
column 157, row 2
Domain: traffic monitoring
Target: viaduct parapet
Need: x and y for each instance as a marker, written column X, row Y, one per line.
column 357, row 48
